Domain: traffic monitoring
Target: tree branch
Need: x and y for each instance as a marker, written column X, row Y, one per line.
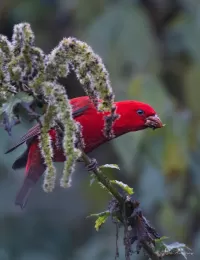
column 104, row 180
column 150, row 251
column 122, row 202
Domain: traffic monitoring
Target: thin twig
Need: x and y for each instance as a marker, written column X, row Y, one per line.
column 117, row 237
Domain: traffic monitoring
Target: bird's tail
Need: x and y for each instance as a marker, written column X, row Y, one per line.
column 24, row 192
column 35, row 167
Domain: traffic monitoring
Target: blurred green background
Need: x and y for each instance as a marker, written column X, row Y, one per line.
column 152, row 51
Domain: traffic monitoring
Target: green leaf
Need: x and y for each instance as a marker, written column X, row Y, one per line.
column 161, row 239
column 175, row 248
column 101, row 219
column 7, row 109
column 20, row 97
column 107, row 169
column 159, row 245
column 112, row 166
column 125, row 187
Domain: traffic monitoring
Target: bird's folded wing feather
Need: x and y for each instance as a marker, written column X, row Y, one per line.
column 79, row 106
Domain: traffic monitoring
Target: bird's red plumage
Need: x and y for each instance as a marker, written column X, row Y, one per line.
column 92, row 123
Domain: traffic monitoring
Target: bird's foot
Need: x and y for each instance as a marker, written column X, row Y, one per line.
column 92, row 165
column 33, row 115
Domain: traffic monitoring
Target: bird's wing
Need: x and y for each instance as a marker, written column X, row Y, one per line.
column 79, row 106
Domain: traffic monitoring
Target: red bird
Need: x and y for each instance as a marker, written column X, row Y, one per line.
column 134, row 116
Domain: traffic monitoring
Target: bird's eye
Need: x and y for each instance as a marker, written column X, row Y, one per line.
column 140, row 112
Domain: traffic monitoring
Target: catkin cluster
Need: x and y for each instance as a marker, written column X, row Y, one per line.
column 26, row 68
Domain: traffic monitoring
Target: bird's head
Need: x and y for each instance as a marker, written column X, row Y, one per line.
column 138, row 115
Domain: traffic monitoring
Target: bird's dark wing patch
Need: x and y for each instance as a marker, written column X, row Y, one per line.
column 80, row 105
column 21, row 160
column 79, row 111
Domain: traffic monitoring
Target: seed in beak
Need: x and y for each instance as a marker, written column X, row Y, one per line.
column 154, row 122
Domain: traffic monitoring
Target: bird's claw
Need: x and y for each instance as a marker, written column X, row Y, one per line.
column 33, row 115
column 92, row 165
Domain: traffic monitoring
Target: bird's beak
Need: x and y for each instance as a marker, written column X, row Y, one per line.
column 153, row 122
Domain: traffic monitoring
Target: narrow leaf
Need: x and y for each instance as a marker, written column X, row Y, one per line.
column 112, row 166
column 124, row 186
column 101, row 219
